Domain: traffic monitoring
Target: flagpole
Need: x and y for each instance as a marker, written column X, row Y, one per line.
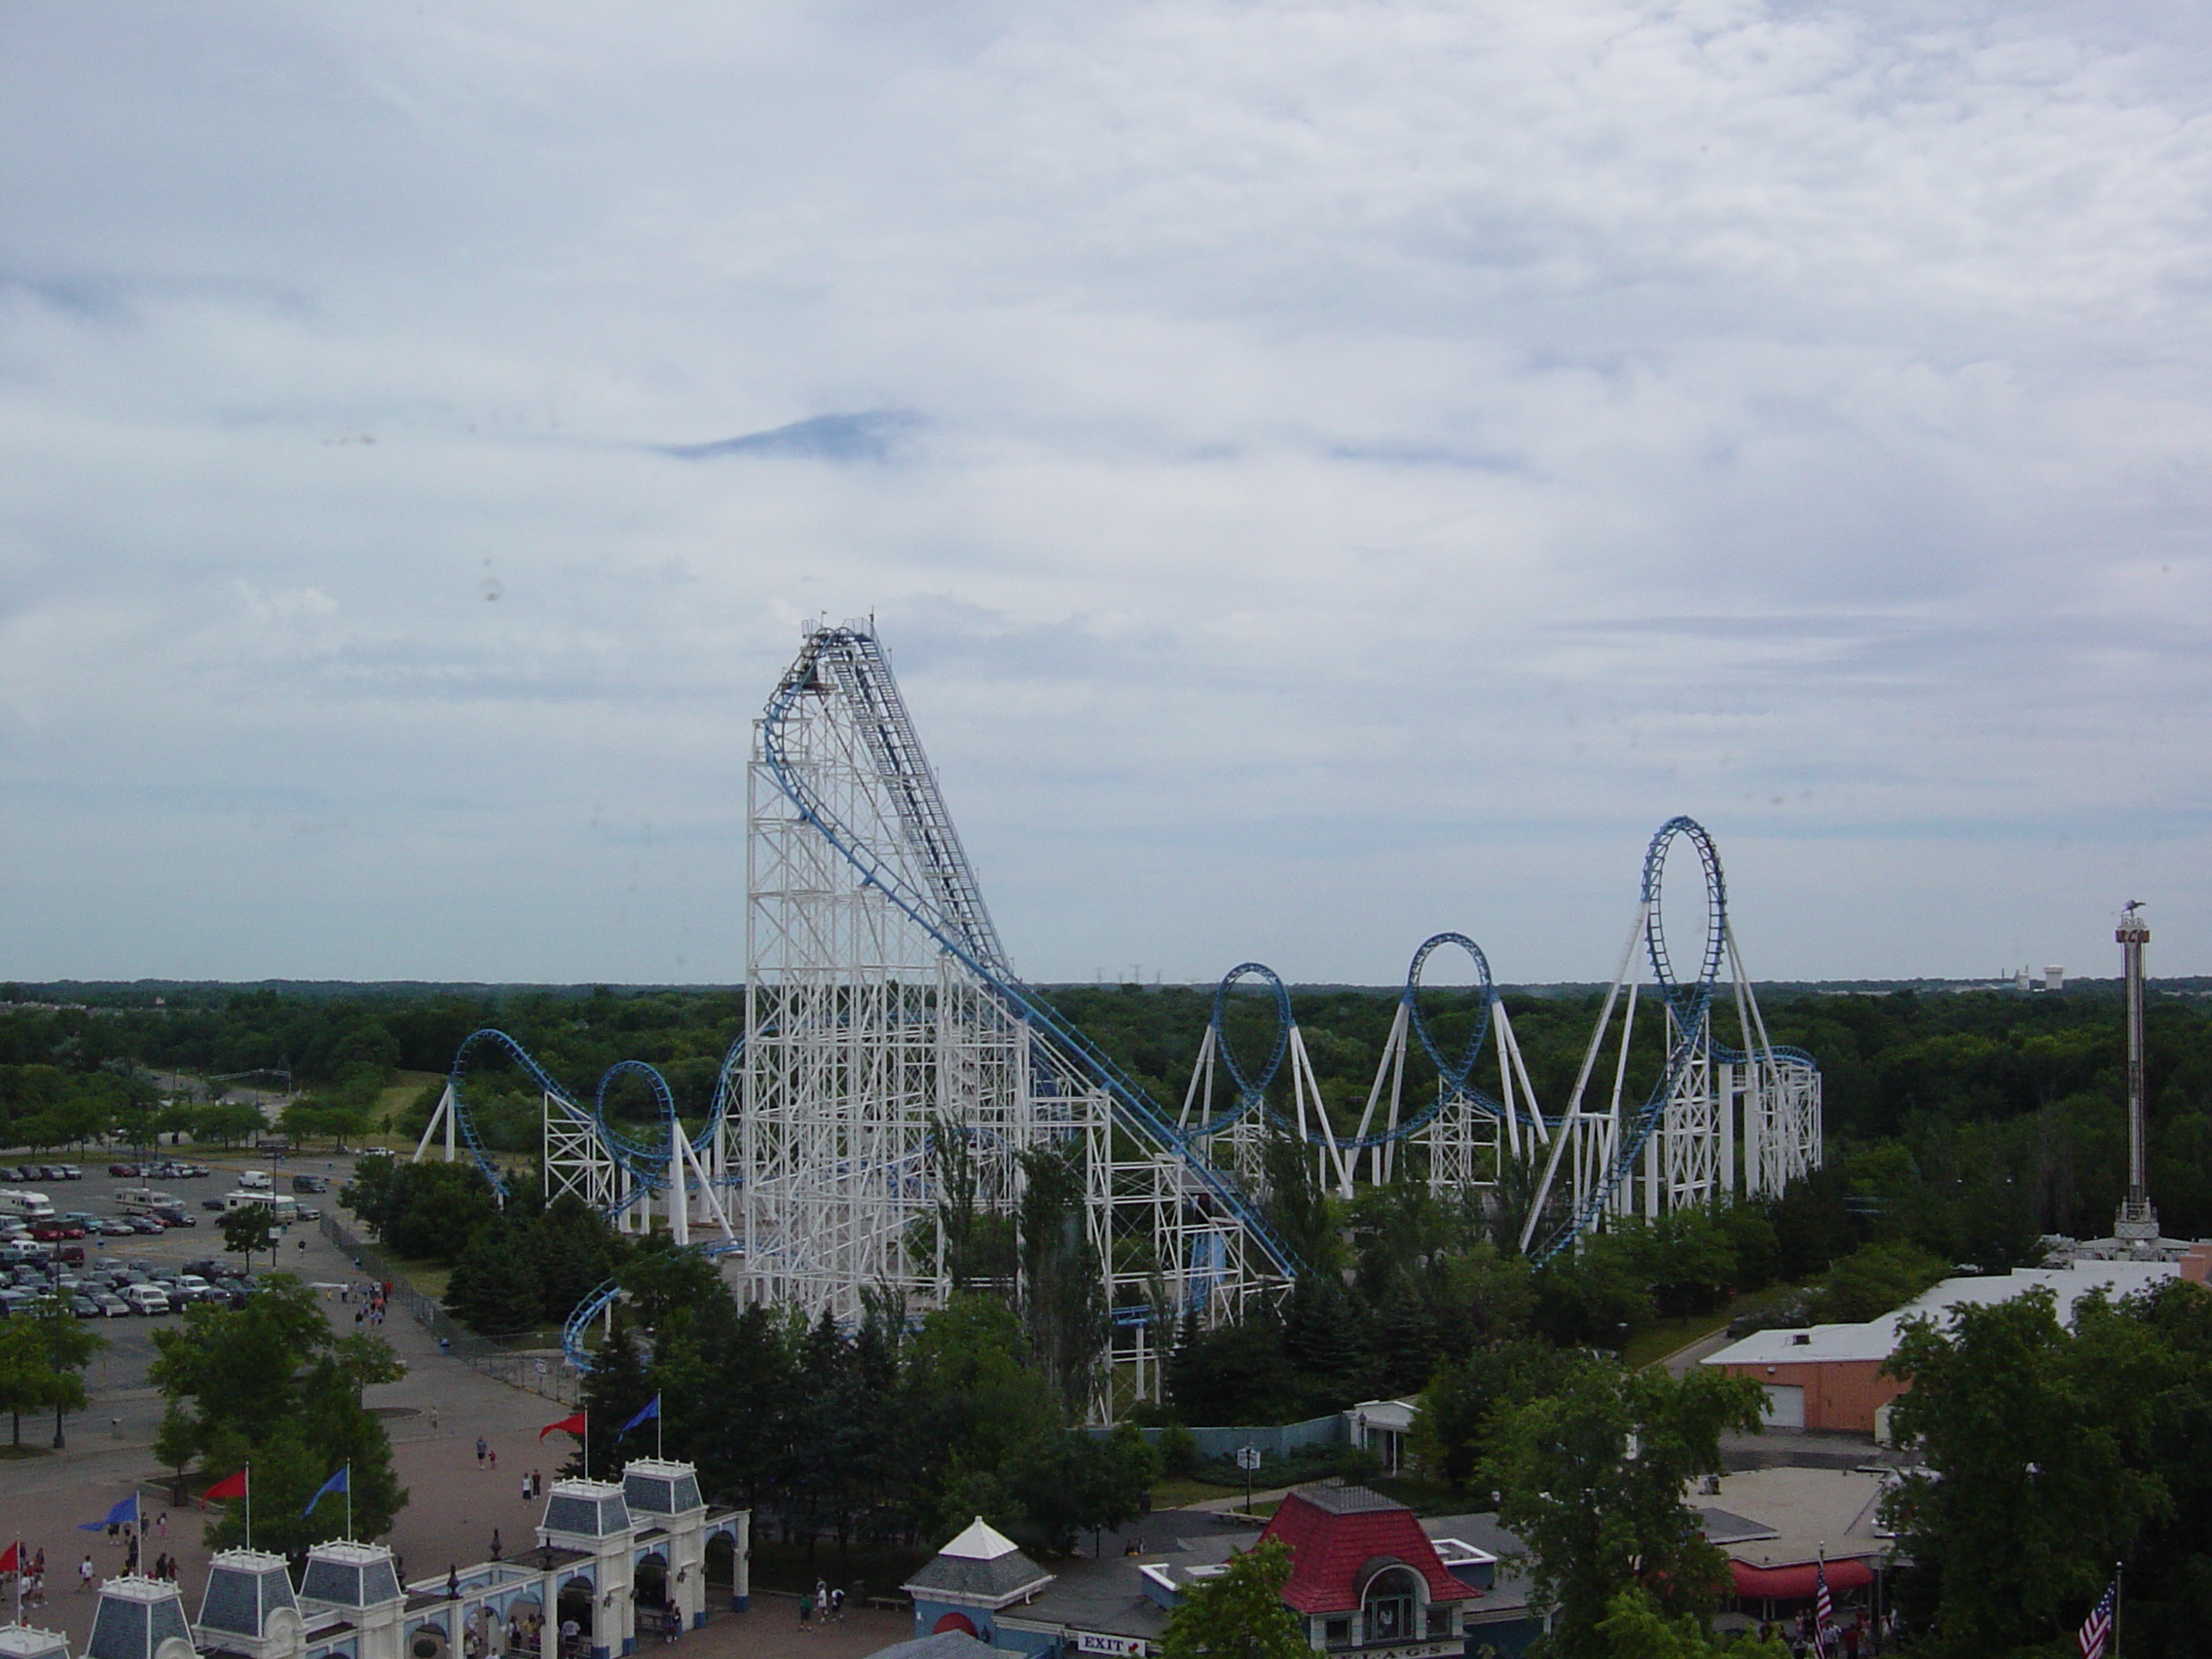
column 249, row 1506
column 658, row 1448
column 2119, row 1575
column 585, row 1454
column 348, row 1502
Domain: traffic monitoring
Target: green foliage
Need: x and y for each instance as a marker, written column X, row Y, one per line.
column 1452, row 1431
column 1636, row 1627
column 2054, row 1454
column 247, row 1228
column 270, row 1385
column 1592, row 1475
column 1239, row 1615
column 42, row 1361
column 521, row 1271
column 425, row 1211
column 1875, row 1279
column 1063, row 1300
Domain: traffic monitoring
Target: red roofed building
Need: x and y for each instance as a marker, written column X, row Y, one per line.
column 1364, row 1575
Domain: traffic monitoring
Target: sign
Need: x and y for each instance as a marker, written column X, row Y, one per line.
column 1123, row 1646
column 1248, row 1457
column 1415, row 1650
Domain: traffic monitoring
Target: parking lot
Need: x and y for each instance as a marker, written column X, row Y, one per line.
column 117, row 1376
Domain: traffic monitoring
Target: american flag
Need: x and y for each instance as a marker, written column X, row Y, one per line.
column 1823, row 1615
column 2096, row 1629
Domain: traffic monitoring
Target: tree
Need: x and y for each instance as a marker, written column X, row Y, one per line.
column 250, row 1227
column 270, row 1383
column 1592, row 1478
column 1075, row 1481
column 1636, row 1627
column 1063, row 1297
column 491, row 1289
column 615, row 1389
column 1876, row 1278
column 67, row 1348
column 1239, row 1615
column 1451, row 1431
column 2042, row 1443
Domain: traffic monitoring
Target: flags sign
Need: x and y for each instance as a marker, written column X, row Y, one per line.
column 12, row 1559
column 651, row 1411
column 336, row 1483
column 124, row 1513
column 569, row 1424
column 2096, row 1629
column 234, row 1487
column 1823, row 1615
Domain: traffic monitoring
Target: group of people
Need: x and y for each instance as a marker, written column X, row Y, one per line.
column 823, row 1600
column 1853, row 1637
column 373, row 1299
column 30, row 1578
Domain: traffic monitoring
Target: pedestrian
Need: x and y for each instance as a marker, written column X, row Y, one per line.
column 526, row 1489
column 807, row 1611
column 85, row 1576
column 494, row 1455
column 538, row 1483
column 162, row 1523
column 838, row 1604
column 496, row 1549
column 479, row 1451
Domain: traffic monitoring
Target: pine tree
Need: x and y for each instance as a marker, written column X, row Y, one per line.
column 614, row 1390
column 493, row 1291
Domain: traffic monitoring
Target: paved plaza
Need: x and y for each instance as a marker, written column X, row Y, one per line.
column 434, row 1416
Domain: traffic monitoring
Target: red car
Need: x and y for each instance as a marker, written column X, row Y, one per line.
column 123, row 1169
column 51, row 1232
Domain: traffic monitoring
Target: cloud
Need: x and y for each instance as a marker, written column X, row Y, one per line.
column 868, row 436
column 1326, row 471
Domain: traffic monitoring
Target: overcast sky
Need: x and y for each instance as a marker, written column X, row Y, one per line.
column 1326, row 473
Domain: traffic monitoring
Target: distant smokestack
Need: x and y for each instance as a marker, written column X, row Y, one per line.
column 2138, row 1221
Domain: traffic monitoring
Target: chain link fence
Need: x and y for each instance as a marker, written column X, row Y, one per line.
column 538, row 1370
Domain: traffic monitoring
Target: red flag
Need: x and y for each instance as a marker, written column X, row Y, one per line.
column 571, row 1425
column 12, row 1559
column 234, row 1487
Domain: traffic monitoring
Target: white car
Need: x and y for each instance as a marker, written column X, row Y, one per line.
column 146, row 1299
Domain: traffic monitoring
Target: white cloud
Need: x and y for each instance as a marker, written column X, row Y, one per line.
column 1357, row 468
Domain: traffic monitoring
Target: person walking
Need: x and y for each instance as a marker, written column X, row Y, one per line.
column 526, row 1489
column 806, row 1611
column 433, row 1419
column 84, row 1575
column 838, row 1604
column 494, row 1455
column 480, row 1448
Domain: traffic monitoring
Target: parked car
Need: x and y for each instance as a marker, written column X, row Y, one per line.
column 311, row 1182
column 83, row 1306
column 123, row 1170
column 147, row 1299
column 177, row 1218
column 112, row 1305
column 308, row 1212
column 216, row 1205
column 68, row 1173
column 14, row 1302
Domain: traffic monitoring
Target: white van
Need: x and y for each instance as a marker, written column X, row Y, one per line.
column 25, row 1205
column 255, row 1181
column 147, row 1299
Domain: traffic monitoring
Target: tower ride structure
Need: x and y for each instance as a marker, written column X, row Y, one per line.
column 1712, row 1102
column 896, row 1072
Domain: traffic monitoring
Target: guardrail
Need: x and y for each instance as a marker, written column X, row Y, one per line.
column 535, row 1370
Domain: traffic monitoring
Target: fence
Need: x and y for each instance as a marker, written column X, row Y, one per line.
column 539, row 1372
column 1273, row 1440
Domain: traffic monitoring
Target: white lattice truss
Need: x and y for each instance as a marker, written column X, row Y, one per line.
column 1736, row 1121
column 878, row 1017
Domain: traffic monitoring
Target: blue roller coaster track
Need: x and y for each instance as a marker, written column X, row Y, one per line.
column 1455, row 1076
column 1688, row 1003
column 952, row 912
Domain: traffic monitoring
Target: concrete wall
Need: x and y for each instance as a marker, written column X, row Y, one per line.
column 1840, row 1394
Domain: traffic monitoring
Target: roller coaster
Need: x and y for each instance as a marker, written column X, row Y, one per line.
column 894, row 1076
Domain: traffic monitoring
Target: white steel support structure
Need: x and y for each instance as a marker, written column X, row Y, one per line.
column 1679, row 1146
column 887, row 1042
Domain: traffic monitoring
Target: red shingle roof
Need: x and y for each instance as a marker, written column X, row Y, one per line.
column 1335, row 1532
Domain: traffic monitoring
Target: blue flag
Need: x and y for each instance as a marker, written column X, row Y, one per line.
column 336, row 1483
column 651, row 1411
column 123, row 1514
